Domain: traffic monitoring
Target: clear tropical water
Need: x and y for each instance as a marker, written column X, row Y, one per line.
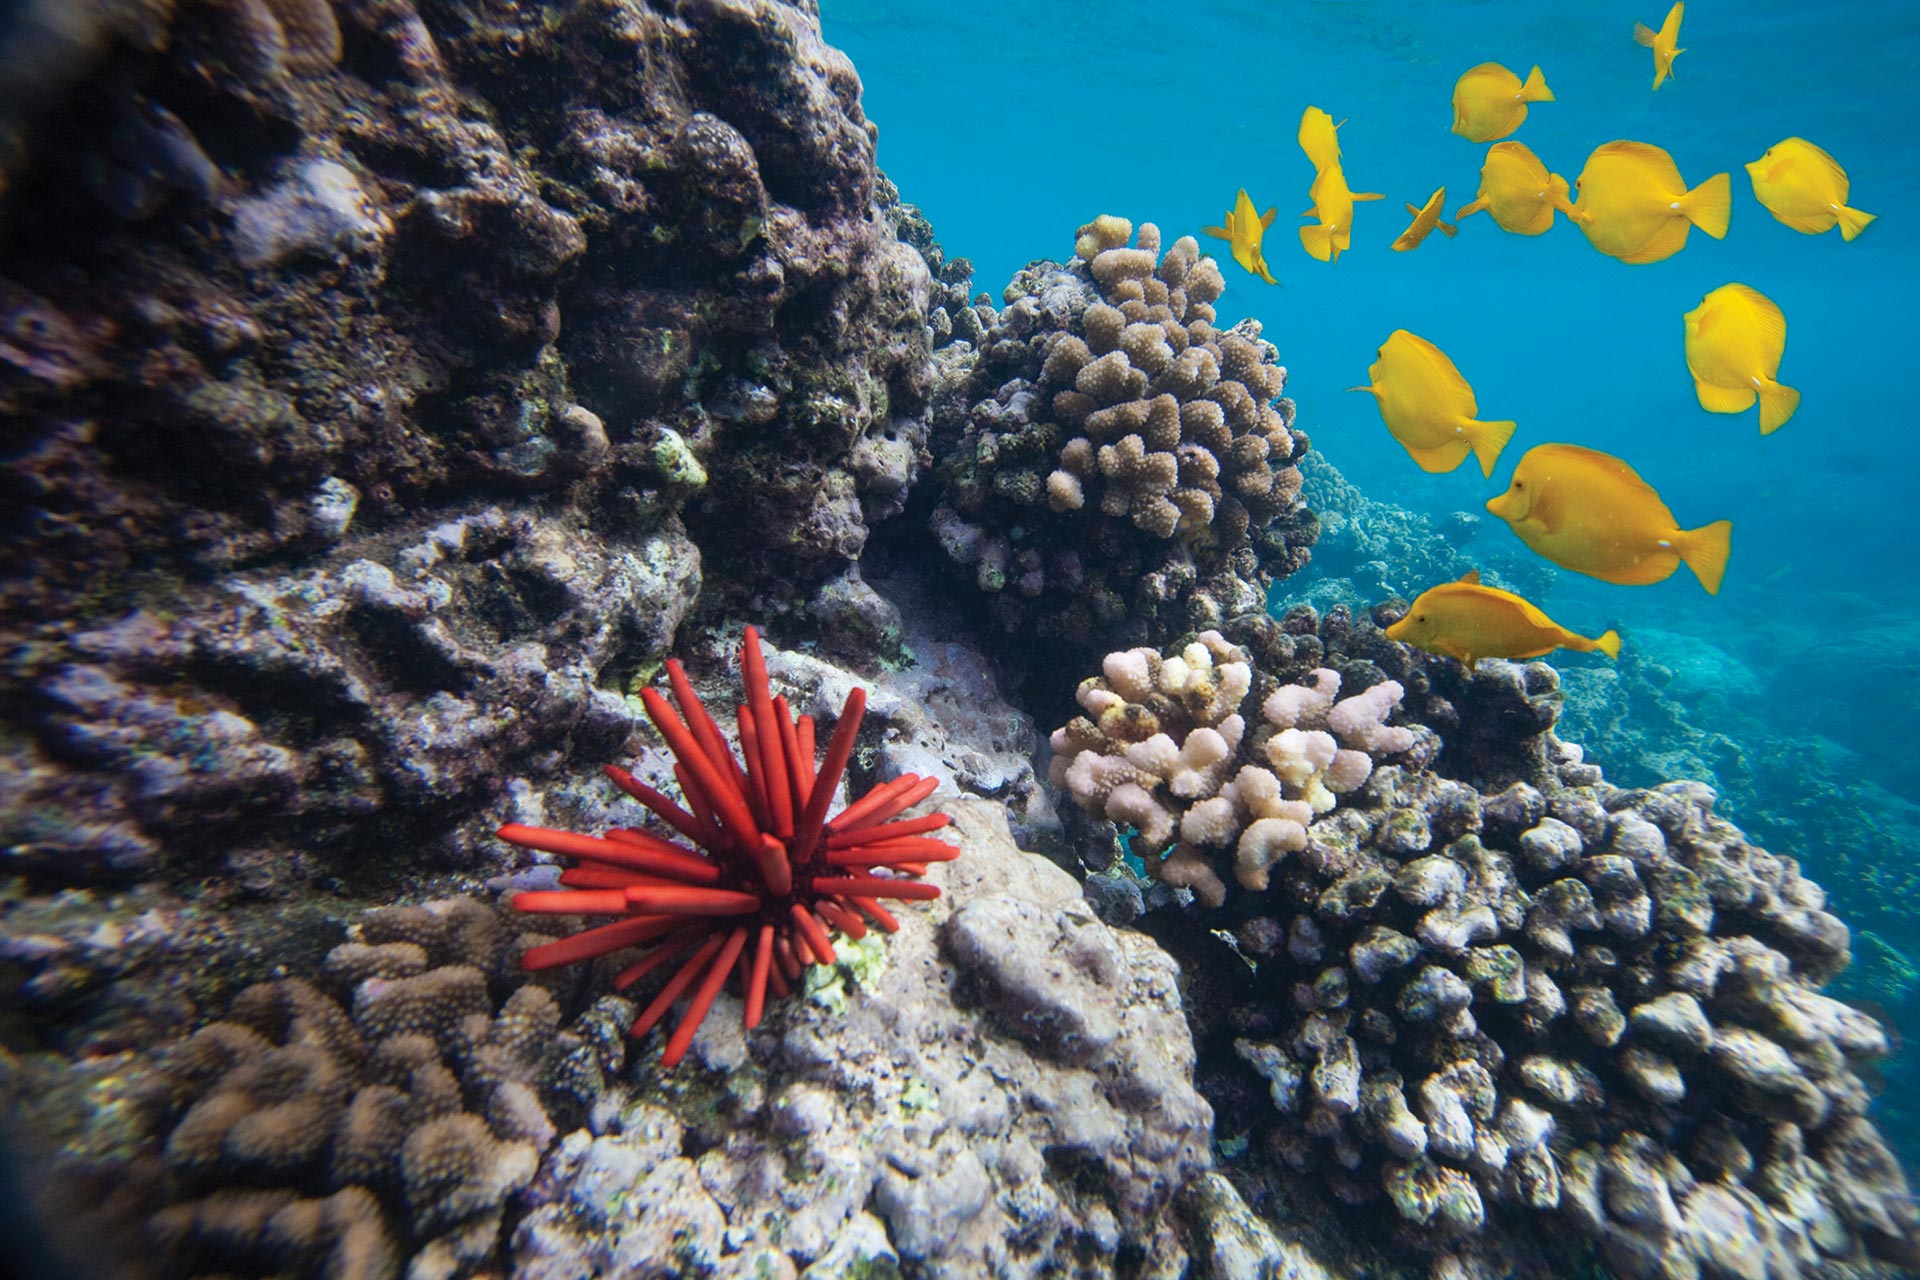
column 1013, row 124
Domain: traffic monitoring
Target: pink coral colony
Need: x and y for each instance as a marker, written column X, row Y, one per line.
column 768, row 867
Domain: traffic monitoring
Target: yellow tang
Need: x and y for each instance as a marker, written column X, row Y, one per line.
column 1517, row 190
column 1467, row 621
column 1635, row 206
column 1244, row 230
column 1592, row 513
column 1333, row 202
column 1429, row 407
column 1735, row 339
column 1663, row 43
column 1425, row 220
column 1805, row 188
column 1317, row 137
column 1491, row 102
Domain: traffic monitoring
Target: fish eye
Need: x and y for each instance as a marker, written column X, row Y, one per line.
column 1519, row 484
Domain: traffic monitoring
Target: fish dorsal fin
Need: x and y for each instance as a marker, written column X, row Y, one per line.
column 1767, row 316
column 1266, row 219
column 1416, row 212
column 1656, row 161
column 1604, row 461
column 1643, row 34
column 1471, row 577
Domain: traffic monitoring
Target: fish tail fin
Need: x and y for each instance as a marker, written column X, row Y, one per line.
column 1487, row 439
column 1558, row 193
column 1447, row 229
column 1852, row 221
column 1361, row 196
column 1413, row 209
column 1704, row 550
column 1318, row 242
column 1643, row 34
column 1468, row 210
column 1777, row 404
column 1710, row 205
column 1608, row 642
column 1535, row 89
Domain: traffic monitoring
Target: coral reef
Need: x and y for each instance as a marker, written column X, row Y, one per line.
column 1115, row 469
column 390, row 1109
column 766, row 863
column 1012, row 1096
column 1488, row 982
column 386, row 382
column 1369, row 550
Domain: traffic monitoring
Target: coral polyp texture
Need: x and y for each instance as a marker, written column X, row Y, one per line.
column 1509, row 1003
column 1165, row 750
column 393, row 1107
column 767, row 875
column 1118, row 469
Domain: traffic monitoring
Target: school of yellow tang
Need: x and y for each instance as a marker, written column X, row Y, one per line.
column 1582, row 509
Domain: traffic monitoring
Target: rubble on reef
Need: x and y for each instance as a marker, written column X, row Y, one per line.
column 1484, row 980
column 1115, row 469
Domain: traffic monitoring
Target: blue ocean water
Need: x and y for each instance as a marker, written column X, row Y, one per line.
column 1010, row 125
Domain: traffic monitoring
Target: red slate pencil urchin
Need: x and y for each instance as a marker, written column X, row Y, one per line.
column 767, row 866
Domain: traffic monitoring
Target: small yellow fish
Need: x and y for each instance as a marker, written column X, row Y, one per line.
column 1467, row 621
column 1244, row 230
column 1662, row 42
column 1592, row 513
column 1333, row 202
column 1490, row 101
column 1425, row 219
column 1805, row 188
column 1635, row 206
column 1517, row 190
column 1429, row 407
column 1735, row 338
column 1317, row 138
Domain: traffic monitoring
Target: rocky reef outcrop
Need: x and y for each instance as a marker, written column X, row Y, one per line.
column 1114, row 468
column 384, row 384
column 1484, row 988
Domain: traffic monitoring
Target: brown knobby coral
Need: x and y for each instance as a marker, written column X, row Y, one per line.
column 765, row 864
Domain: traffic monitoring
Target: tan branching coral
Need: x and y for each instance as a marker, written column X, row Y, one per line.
column 314, row 1119
column 1125, row 465
column 1164, row 749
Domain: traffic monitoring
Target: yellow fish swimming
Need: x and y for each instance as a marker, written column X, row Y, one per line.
column 1244, row 230
column 1467, row 621
column 1491, row 102
column 1635, row 206
column 1517, row 190
column 1333, row 202
column 1805, row 188
column 1662, row 42
column 1425, row 220
column 1592, row 513
column 1317, row 138
column 1429, row 407
column 1735, row 338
